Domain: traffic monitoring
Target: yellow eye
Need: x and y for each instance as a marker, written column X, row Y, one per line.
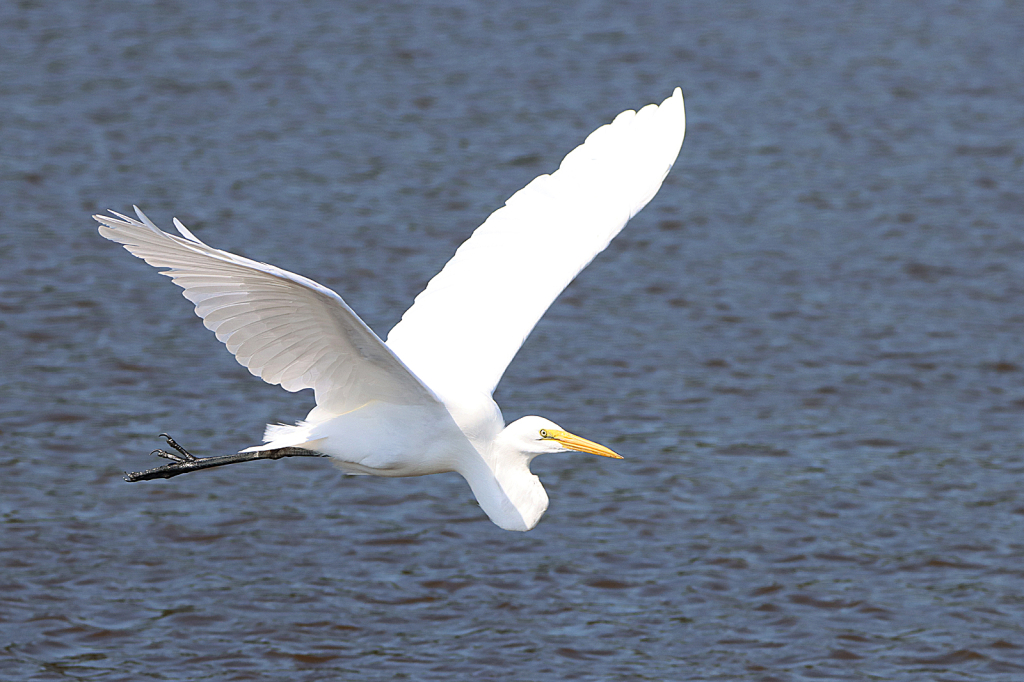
column 543, row 433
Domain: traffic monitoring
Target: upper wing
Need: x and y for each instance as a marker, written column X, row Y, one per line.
column 468, row 324
column 284, row 328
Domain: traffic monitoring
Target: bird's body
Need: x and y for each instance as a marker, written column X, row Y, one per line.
column 421, row 403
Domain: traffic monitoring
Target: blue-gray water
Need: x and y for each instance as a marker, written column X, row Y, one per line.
column 808, row 346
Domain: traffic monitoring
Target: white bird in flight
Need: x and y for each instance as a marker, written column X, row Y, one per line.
column 421, row 402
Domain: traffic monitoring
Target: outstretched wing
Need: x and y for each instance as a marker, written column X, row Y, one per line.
column 464, row 329
column 284, row 328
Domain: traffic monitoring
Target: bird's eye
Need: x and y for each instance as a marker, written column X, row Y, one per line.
column 543, row 433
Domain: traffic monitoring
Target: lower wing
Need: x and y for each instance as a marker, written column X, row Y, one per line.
column 284, row 328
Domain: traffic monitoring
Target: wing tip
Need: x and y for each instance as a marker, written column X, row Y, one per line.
column 146, row 221
column 118, row 217
column 119, row 220
column 676, row 100
column 185, row 232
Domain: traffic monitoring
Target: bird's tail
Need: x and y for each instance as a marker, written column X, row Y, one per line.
column 283, row 436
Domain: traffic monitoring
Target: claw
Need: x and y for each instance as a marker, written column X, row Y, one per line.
column 186, row 456
column 174, row 457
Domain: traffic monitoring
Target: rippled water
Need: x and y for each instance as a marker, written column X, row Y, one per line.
column 808, row 346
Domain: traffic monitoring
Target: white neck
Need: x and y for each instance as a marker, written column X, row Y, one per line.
column 509, row 494
column 497, row 471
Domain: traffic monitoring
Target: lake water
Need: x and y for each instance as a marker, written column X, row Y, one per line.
column 808, row 346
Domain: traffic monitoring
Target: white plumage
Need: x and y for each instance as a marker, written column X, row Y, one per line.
column 421, row 403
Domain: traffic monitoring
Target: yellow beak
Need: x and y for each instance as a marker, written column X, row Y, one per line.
column 574, row 442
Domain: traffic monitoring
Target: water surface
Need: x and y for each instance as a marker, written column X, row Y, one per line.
column 808, row 346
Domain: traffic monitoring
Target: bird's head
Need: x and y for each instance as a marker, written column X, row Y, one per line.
column 532, row 436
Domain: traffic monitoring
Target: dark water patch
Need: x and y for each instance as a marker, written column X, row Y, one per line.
column 926, row 272
column 957, row 657
column 808, row 600
column 993, row 150
column 608, row 584
column 1001, row 367
column 878, row 443
column 446, row 585
column 751, row 450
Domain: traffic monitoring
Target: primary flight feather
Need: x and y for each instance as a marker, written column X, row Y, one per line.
column 421, row 403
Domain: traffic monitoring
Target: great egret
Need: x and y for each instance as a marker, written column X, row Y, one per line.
column 421, row 402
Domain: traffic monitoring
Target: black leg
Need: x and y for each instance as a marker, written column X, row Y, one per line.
column 184, row 462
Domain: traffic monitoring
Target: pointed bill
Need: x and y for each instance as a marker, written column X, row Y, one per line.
column 573, row 442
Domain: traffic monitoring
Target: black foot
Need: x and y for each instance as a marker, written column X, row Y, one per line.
column 182, row 455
